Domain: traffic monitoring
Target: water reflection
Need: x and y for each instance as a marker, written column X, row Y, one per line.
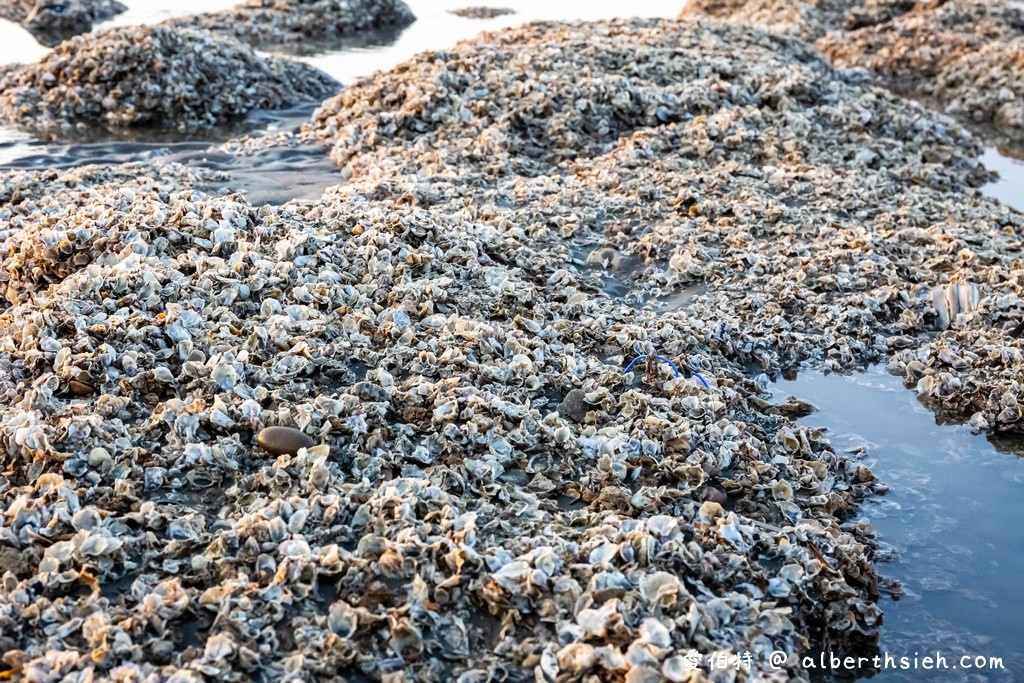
column 949, row 521
column 269, row 176
column 1008, row 162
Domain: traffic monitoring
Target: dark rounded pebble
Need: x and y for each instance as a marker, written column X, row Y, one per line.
column 573, row 406
column 283, row 440
column 716, row 495
column 80, row 388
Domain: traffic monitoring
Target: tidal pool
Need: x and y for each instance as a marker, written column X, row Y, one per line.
column 949, row 527
column 1009, row 187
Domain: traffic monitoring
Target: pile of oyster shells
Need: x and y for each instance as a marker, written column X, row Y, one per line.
column 132, row 76
column 53, row 21
column 290, row 25
column 966, row 54
column 453, row 521
column 490, row 496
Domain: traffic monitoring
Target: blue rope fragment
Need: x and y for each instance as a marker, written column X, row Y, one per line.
column 665, row 360
column 634, row 362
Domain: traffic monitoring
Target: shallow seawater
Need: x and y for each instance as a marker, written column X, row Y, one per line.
column 1009, row 164
column 618, row 276
column 436, row 28
column 679, row 300
column 269, row 176
column 17, row 45
column 951, row 522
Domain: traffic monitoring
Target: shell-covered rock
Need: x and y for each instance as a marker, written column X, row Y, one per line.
column 986, row 85
column 481, row 12
column 135, row 76
column 291, row 24
column 584, row 94
column 919, row 43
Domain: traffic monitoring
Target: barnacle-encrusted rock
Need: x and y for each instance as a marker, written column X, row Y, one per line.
column 291, row 24
column 152, row 76
column 52, row 21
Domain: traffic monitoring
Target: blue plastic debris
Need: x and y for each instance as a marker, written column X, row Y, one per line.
column 666, row 360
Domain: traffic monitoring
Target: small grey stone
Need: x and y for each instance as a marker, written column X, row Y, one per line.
column 573, row 406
